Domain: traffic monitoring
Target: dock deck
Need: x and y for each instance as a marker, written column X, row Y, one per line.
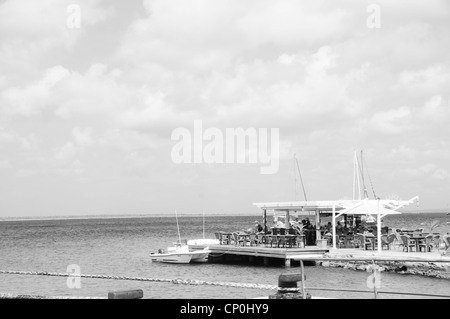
column 221, row 253
column 268, row 255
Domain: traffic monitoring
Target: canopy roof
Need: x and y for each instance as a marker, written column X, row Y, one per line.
column 360, row 207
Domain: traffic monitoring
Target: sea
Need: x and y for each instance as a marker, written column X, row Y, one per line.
column 114, row 246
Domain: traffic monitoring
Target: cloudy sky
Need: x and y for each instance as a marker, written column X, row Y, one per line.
column 88, row 102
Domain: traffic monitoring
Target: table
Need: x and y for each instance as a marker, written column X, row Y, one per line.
column 417, row 240
column 372, row 241
column 347, row 239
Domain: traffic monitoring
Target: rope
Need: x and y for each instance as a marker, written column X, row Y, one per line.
column 192, row 282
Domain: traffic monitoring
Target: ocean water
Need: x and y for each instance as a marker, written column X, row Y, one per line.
column 121, row 247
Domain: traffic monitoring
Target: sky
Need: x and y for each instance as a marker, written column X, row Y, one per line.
column 91, row 93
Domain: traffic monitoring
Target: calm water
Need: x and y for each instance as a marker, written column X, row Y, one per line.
column 122, row 247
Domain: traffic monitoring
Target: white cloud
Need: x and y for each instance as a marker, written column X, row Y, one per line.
column 393, row 121
column 441, row 174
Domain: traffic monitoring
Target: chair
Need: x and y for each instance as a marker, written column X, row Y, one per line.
column 281, row 241
column 340, row 241
column 274, row 241
column 387, row 240
column 234, row 239
column 259, row 239
column 426, row 243
column 265, row 240
column 446, row 240
column 300, row 240
column 291, row 241
column 407, row 243
column 355, row 242
column 437, row 241
column 252, row 239
column 225, row 238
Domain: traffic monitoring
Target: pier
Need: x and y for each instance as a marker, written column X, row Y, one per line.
column 266, row 255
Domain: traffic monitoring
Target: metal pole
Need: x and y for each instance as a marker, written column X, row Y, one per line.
column 374, row 279
column 178, row 227
column 334, row 226
column 303, row 280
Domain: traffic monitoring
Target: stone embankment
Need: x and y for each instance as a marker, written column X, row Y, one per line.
column 428, row 269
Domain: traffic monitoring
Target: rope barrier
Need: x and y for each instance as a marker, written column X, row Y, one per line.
column 180, row 282
column 192, row 282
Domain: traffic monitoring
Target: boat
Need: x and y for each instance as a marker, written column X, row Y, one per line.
column 181, row 253
column 192, row 243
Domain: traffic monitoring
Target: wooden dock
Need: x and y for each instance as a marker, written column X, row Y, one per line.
column 266, row 255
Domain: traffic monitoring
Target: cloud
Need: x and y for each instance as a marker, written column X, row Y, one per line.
column 441, row 174
column 33, row 33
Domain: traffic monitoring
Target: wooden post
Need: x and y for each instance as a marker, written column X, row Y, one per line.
column 265, row 221
column 287, row 262
column 334, row 226
column 303, row 279
column 318, row 235
column 287, row 224
column 126, row 294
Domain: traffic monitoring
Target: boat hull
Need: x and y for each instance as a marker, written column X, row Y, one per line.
column 182, row 257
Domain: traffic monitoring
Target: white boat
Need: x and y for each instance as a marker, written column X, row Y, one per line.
column 181, row 254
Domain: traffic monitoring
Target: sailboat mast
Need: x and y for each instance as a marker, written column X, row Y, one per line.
column 366, row 195
column 203, row 224
column 178, row 227
column 301, row 179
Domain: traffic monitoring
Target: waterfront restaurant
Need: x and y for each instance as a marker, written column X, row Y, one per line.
column 335, row 209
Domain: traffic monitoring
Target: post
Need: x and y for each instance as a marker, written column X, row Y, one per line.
column 287, row 224
column 287, row 262
column 303, row 279
column 265, row 221
column 287, row 287
column 334, row 226
column 318, row 235
column 375, row 291
column 379, row 227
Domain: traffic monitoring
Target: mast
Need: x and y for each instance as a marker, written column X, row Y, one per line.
column 366, row 195
column 301, row 179
column 178, row 227
column 203, row 224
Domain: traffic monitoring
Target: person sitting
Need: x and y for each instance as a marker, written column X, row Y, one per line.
column 298, row 227
column 339, row 228
column 258, row 227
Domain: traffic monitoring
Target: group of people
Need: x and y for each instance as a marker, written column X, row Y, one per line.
column 302, row 228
